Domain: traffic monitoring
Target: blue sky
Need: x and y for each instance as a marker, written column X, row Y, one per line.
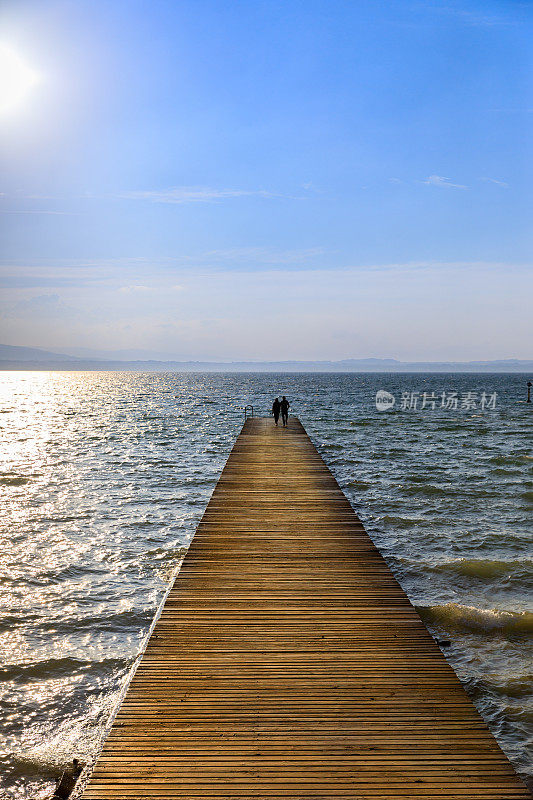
column 270, row 179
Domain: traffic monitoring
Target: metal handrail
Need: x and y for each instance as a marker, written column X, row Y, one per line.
column 246, row 415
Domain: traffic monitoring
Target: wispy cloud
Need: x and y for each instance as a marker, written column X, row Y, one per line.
column 136, row 288
column 261, row 256
column 503, row 184
column 17, row 281
column 32, row 213
column 195, row 194
column 43, row 306
column 439, row 180
column 447, row 183
column 140, row 288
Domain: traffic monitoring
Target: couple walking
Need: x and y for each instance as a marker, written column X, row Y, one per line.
column 282, row 406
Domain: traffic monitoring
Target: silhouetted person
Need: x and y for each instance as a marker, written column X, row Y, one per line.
column 284, row 405
column 275, row 410
column 66, row 783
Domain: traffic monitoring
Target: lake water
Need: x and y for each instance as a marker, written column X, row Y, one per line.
column 104, row 477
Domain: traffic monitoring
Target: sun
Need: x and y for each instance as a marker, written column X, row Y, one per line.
column 17, row 79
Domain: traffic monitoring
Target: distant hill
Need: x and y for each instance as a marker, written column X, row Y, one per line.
column 10, row 352
column 33, row 358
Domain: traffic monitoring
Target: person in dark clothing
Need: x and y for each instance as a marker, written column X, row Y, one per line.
column 284, row 405
column 66, row 783
column 275, row 410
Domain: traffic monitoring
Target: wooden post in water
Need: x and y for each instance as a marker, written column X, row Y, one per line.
column 288, row 663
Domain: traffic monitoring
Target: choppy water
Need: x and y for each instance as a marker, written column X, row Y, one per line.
column 104, row 477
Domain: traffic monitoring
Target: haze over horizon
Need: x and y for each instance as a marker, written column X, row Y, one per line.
column 269, row 181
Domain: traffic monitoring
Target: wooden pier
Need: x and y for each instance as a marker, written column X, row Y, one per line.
column 289, row 664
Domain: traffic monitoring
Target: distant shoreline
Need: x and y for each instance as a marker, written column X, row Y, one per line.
column 235, row 369
column 16, row 358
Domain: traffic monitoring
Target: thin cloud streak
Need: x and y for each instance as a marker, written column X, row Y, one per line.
column 503, row 184
column 39, row 212
column 261, row 255
column 439, row 180
column 196, row 194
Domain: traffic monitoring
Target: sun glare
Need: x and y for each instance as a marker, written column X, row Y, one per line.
column 16, row 79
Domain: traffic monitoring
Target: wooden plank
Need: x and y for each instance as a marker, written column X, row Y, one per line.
column 288, row 662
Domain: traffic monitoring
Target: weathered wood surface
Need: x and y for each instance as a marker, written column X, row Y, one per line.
column 288, row 662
